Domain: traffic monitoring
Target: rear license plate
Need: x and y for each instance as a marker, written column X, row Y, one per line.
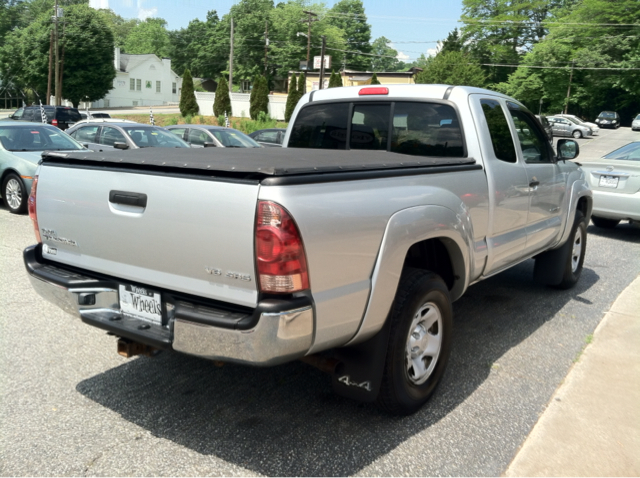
column 141, row 303
column 608, row 182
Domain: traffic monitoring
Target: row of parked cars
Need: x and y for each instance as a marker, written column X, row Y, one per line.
column 24, row 136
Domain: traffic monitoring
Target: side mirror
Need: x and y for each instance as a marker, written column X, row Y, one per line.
column 208, row 144
column 120, row 145
column 567, row 149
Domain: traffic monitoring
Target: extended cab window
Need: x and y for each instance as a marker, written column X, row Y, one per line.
column 414, row 128
column 501, row 139
column 532, row 139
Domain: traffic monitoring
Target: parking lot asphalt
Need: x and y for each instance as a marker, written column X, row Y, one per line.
column 69, row 405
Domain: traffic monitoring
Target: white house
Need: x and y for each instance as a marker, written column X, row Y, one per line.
column 142, row 80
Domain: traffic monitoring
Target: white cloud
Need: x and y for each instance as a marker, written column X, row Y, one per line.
column 99, row 4
column 144, row 13
column 432, row 51
column 402, row 56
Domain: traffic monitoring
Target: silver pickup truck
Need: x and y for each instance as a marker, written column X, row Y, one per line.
column 345, row 248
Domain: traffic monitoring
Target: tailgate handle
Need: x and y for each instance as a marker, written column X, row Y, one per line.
column 128, row 198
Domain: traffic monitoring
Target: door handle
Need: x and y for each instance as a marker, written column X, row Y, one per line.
column 128, row 198
column 534, row 184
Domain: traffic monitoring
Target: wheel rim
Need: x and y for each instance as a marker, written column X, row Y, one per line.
column 13, row 193
column 423, row 343
column 577, row 134
column 576, row 252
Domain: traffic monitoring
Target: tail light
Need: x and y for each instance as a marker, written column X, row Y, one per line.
column 33, row 213
column 54, row 122
column 282, row 265
column 381, row 90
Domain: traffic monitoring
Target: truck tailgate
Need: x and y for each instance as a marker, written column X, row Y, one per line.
column 192, row 234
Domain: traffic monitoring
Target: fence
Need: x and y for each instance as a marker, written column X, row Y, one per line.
column 240, row 104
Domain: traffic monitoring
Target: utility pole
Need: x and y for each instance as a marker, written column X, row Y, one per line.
column 230, row 60
column 50, row 65
column 324, row 44
column 266, row 45
column 57, row 64
column 566, row 105
column 309, row 21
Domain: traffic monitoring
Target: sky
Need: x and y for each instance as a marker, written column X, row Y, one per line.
column 413, row 26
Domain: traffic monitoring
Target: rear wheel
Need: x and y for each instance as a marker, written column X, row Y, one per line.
column 419, row 342
column 577, row 134
column 14, row 194
column 577, row 245
column 604, row 222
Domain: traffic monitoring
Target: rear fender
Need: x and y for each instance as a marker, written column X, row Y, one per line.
column 404, row 229
column 581, row 197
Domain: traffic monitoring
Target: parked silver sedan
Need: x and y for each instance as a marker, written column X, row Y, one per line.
column 615, row 181
column 102, row 136
column 564, row 127
column 595, row 129
column 202, row 135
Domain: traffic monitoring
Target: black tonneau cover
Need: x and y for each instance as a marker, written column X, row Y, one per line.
column 259, row 161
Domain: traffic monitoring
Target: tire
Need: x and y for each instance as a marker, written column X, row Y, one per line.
column 604, row 222
column 14, row 194
column 577, row 134
column 419, row 342
column 576, row 247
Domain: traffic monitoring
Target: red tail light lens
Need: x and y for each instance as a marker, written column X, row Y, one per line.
column 33, row 214
column 282, row 265
column 374, row 91
column 54, row 122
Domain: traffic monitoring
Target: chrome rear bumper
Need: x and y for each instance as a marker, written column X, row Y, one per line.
column 279, row 331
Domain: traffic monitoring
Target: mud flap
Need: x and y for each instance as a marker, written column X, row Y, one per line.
column 549, row 266
column 359, row 374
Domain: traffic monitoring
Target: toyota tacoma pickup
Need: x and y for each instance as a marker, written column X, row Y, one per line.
column 345, row 248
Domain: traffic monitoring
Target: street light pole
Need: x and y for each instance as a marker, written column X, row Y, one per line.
column 309, row 21
column 57, row 64
column 324, row 44
column 566, row 105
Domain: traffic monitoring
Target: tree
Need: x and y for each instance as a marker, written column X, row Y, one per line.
column 87, row 43
column 349, row 16
column 453, row 42
column 222, row 102
column 374, row 79
column 302, row 86
column 259, row 100
column 386, row 57
column 452, row 68
column 335, row 80
column 188, row 104
column 291, row 98
column 119, row 26
column 150, row 36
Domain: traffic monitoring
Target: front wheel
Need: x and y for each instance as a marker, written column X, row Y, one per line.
column 577, row 134
column 14, row 194
column 419, row 342
column 577, row 245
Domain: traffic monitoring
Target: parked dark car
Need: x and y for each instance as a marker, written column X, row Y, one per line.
column 546, row 126
column 608, row 119
column 269, row 137
column 61, row 116
column 201, row 135
column 100, row 135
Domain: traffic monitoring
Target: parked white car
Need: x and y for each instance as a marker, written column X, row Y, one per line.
column 635, row 124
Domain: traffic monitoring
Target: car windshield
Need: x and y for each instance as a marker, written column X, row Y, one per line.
column 36, row 138
column 231, row 138
column 629, row 152
column 638, row 117
column 153, row 137
column 573, row 120
column 607, row 114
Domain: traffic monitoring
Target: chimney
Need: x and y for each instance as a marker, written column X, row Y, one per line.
column 116, row 58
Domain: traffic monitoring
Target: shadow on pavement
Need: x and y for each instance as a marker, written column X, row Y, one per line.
column 625, row 231
column 286, row 421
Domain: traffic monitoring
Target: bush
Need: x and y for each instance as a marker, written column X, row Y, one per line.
column 374, row 80
column 222, row 103
column 336, row 80
column 259, row 97
column 172, row 121
column 188, row 119
column 221, row 121
column 201, row 119
column 188, row 103
column 291, row 98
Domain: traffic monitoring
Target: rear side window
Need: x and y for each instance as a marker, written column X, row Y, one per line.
column 501, row 139
column 414, row 128
column 68, row 114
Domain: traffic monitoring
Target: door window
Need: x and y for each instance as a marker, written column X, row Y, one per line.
column 109, row 136
column 18, row 114
column 321, row 126
column 268, row 137
column 501, row 139
column 86, row 134
column 179, row 132
column 197, row 136
column 531, row 138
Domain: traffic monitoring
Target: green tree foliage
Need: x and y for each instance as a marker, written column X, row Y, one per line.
column 386, row 57
column 349, row 16
column 87, row 47
column 335, row 81
column 188, row 104
column 222, row 102
column 302, row 86
column 453, row 42
column 586, row 35
column 452, row 68
column 291, row 98
column 374, row 79
column 120, row 27
column 150, row 36
column 260, row 103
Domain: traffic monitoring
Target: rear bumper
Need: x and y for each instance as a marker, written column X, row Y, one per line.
column 276, row 331
column 611, row 205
